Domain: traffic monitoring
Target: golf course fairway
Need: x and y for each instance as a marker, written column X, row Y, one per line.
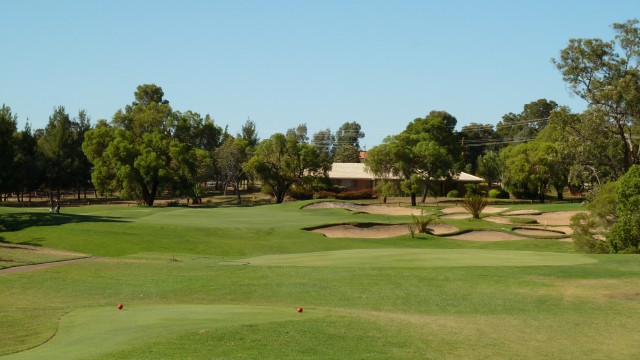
column 91, row 332
column 418, row 258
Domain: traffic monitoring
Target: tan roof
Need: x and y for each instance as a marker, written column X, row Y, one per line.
column 358, row 171
column 349, row 171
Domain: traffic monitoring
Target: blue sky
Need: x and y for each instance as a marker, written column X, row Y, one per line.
column 282, row 63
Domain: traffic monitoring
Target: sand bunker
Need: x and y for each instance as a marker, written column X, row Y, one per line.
column 539, row 232
column 370, row 209
column 554, row 218
column 486, row 236
column 460, row 209
column 522, row 212
column 377, row 231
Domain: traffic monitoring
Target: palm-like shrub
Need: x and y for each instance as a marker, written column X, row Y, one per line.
column 474, row 204
column 421, row 222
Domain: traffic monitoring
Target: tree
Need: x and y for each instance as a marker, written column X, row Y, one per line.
column 347, row 154
column 249, row 133
column 625, row 233
column 490, row 167
column 28, row 168
column 606, row 74
column 531, row 167
column 8, row 129
column 588, row 144
column 57, row 146
column 136, row 153
column 282, row 161
column 380, row 162
column 300, row 132
column 526, row 125
column 231, row 157
column 347, row 136
column 476, row 140
column 422, row 153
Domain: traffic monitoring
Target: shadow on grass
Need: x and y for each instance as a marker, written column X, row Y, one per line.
column 20, row 221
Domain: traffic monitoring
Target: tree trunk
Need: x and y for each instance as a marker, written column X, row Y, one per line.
column 413, row 199
column 384, row 199
column 238, row 192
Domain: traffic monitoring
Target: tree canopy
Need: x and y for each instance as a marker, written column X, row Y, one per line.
column 281, row 161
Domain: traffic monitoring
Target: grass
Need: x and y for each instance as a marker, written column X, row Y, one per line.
column 177, row 272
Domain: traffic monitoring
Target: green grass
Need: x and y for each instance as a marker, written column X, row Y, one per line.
column 177, row 272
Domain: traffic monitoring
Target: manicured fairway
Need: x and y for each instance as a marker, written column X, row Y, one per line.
column 91, row 332
column 418, row 258
column 224, row 283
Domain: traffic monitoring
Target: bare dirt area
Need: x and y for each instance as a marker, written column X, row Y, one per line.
column 487, row 236
column 377, row 231
column 370, row 209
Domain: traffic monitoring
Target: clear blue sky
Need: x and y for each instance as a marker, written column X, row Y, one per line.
column 282, row 63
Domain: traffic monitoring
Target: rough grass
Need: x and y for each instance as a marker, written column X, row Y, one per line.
column 179, row 258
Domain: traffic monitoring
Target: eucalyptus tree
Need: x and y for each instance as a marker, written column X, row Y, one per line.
column 606, row 74
column 282, row 161
column 425, row 151
column 346, row 147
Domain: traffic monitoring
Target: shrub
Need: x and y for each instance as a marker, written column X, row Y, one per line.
column 173, row 203
column 324, row 195
column 421, row 223
column 453, row 194
column 474, row 204
column 355, row 194
column 498, row 194
column 301, row 194
column 471, row 190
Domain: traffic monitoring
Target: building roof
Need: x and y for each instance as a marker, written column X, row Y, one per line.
column 349, row 171
column 358, row 171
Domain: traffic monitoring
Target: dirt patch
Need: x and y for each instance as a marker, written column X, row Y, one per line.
column 460, row 209
column 486, row 236
column 370, row 209
column 377, row 231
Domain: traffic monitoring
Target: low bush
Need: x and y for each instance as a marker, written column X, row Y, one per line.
column 301, row 194
column 453, row 194
column 498, row 194
column 355, row 195
column 324, row 195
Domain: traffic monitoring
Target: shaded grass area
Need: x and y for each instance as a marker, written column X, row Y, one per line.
column 12, row 255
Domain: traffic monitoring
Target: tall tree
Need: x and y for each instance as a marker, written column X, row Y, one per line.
column 476, row 139
column 606, row 74
column 57, row 146
column 231, row 157
column 137, row 161
column 300, row 132
column 28, row 167
column 282, row 161
column 516, row 128
column 490, row 167
column 249, row 133
column 422, row 153
column 8, row 129
column 347, row 142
